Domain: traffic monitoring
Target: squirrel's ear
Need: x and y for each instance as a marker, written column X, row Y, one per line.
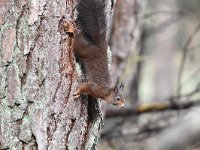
column 121, row 87
column 116, row 86
column 115, row 89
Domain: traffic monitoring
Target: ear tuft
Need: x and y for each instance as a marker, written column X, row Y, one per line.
column 121, row 87
column 116, row 89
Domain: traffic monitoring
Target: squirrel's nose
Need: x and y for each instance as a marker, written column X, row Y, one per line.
column 122, row 106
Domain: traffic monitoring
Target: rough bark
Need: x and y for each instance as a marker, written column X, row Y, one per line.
column 38, row 78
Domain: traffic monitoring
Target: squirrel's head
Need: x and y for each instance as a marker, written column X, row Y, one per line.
column 117, row 96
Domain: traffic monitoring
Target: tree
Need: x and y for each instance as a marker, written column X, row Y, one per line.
column 126, row 44
column 37, row 80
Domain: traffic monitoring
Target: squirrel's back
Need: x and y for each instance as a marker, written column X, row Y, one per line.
column 93, row 19
column 90, row 46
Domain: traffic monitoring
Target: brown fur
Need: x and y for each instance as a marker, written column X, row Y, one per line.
column 96, row 64
column 90, row 46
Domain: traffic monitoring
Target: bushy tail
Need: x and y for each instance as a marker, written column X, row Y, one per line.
column 93, row 18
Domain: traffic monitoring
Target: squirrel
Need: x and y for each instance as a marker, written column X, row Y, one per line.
column 90, row 45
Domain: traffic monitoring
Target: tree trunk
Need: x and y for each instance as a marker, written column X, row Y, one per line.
column 164, row 46
column 125, row 44
column 124, row 23
column 37, row 80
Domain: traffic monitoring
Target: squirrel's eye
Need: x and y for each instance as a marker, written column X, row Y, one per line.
column 117, row 98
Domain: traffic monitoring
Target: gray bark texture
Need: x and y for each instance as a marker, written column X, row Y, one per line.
column 38, row 78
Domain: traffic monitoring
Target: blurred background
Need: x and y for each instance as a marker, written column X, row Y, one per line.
column 155, row 46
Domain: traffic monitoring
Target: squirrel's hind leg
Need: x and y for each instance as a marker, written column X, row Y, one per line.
column 87, row 88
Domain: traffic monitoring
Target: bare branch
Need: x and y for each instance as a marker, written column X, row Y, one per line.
column 151, row 107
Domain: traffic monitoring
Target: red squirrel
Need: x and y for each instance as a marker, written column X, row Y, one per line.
column 90, row 45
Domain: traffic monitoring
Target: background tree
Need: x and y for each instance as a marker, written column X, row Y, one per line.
column 126, row 38
column 167, row 83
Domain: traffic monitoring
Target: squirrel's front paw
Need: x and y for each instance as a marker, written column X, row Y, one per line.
column 70, row 27
column 76, row 95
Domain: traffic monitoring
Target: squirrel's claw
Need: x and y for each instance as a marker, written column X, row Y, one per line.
column 76, row 95
column 70, row 27
column 82, row 80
